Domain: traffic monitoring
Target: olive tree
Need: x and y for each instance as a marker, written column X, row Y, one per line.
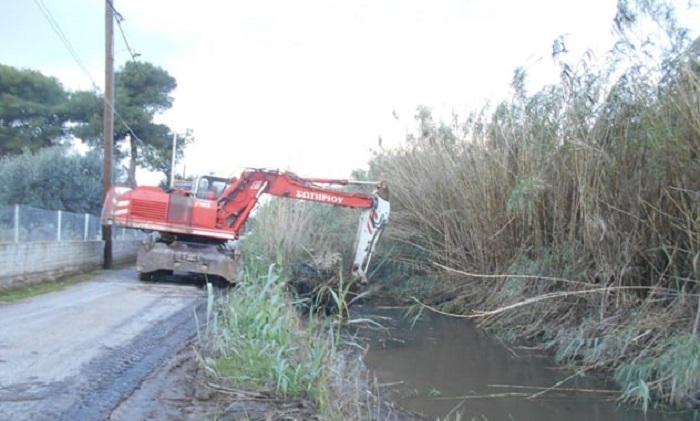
column 53, row 178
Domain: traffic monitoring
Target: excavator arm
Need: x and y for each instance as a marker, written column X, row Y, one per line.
column 239, row 199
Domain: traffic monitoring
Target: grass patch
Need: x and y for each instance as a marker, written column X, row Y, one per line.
column 21, row 293
column 260, row 342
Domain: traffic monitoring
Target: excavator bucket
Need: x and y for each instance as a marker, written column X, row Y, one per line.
column 371, row 226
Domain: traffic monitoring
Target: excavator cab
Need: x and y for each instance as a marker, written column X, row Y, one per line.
column 203, row 187
column 210, row 187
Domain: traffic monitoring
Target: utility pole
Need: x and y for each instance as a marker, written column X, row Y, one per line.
column 172, row 164
column 108, row 128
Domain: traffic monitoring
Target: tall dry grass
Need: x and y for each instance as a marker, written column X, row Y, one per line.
column 305, row 230
column 591, row 188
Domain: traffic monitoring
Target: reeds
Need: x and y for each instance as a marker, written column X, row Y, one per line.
column 257, row 340
column 305, row 229
column 583, row 198
column 256, row 343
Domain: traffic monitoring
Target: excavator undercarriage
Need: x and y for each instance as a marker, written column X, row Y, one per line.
column 156, row 258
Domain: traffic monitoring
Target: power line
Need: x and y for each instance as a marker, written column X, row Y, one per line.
column 119, row 18
column 76, row 57
column 62, row 36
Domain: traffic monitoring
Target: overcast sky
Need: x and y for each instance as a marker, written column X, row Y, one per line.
column 307, row 86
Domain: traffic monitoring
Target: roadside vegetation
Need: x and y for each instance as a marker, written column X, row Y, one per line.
column 266, row 341
column 17, row 294
column 53, row 178
column 570, row 216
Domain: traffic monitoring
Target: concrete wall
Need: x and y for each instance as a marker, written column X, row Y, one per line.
column 33, row 262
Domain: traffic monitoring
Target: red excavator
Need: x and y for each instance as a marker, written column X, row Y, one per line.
column 196, row 225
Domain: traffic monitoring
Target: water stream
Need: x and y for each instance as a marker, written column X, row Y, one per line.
column 445, row 368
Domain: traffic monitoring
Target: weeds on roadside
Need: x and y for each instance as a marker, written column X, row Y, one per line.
column 258, row 339
column 23, row 292
column 255, row 338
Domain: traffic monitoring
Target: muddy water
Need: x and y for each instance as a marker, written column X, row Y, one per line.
column 444, row 368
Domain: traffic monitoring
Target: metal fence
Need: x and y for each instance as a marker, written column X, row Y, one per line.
column 24, row 223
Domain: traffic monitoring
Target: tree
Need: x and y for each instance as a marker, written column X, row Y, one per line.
column 53, row 178
column 142, row 90
column 32, row 110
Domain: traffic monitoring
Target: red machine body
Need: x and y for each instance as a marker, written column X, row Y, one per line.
column 194, row 224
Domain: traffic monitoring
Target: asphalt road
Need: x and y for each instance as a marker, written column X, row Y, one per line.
column 77, row 353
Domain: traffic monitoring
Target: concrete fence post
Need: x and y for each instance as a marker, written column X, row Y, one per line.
column 16, row 223
column 58, row 225
column 87, row 227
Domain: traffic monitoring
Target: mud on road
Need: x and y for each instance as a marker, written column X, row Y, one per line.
column 78, row 353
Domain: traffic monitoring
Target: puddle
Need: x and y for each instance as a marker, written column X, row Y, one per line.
column 445, row 368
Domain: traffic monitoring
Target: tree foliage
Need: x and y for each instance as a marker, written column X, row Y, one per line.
column 142, row 90
column 37, row 112
column 53, row 178
column 32, row 110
